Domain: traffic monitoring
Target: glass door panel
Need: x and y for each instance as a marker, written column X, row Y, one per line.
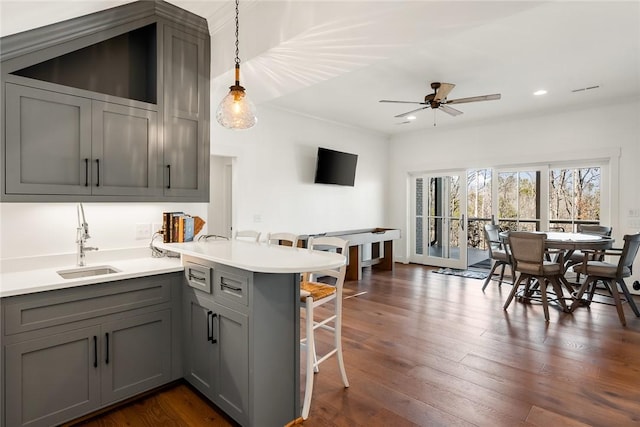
column 479, row 213
column 439, row 225
column 519, row 200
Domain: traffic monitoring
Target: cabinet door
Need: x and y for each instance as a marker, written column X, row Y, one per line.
column 136, row 355
column 199, row 350
column 52, row 379
column 48, row 142
column 217, row 353
column 186, row 119
column 231, row 331
column 125, row 151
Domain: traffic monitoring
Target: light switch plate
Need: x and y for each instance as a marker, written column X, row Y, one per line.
column 143, row 231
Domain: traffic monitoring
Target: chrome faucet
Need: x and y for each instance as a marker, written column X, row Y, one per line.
column 82, row 234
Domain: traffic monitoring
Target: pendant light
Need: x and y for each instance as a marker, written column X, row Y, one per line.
column 236, row 111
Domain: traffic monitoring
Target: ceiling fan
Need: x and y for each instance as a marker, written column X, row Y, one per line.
column 438, row 100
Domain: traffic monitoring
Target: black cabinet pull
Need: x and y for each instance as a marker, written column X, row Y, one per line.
column 214, row 340
column 86, row 172
column 169, row 172
column 209, row 331
column 224, row 285
column 95, row 351
column 98, row 180
column 106, row 360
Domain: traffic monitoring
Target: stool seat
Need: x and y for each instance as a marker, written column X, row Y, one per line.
column 317, row 291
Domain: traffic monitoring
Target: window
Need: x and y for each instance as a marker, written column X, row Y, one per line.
column 574, row 197
column 519, row 200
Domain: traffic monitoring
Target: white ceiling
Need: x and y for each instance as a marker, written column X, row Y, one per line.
column 336, row 60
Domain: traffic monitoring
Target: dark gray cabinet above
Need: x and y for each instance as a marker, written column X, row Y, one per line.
column 112, row 106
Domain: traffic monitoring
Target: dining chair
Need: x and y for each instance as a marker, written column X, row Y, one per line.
column 528, row 254
column 248, row 235
column 578, row 257
column 612, row 275
column 282, row 239
column 206, row 237
column 313, row 294
column 498, row 253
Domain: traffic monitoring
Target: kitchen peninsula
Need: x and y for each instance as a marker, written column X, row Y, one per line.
column 241, row 326
column 228, row 324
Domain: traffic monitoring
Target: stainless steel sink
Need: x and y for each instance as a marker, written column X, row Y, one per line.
column 76, row 273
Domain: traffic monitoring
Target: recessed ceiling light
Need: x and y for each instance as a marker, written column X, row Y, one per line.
column 540, row 92
column 411, row 117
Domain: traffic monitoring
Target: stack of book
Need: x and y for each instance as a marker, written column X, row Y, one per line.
column 178, row 227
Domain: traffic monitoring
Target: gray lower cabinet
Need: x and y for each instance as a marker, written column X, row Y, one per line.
column 92, row 147
column 71, row 352
column 216, row 356
column 241, row 341
column 52, row 379
column 136, row 355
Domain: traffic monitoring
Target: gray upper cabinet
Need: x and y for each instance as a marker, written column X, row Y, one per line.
column 48, row 142
column 124, row 151
column 112, row 106
column 186, row 90
column 90, row 147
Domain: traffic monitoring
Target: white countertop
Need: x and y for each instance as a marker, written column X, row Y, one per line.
column 30, row 279
column 258, row 257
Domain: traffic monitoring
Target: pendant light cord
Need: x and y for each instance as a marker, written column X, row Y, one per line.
column 237, row 33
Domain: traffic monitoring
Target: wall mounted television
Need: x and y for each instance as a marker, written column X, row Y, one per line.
column 335, row 167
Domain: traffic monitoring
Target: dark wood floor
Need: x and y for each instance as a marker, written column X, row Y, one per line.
column 434, row 350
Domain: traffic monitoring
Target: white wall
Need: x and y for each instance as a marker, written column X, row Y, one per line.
column 36, row 229
column 602, row 131
column 274, row 166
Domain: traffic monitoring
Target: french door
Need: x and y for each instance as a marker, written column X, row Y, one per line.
column 439, row 201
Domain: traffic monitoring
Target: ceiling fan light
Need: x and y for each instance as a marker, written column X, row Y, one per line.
column 540, row 92
column 412, row 117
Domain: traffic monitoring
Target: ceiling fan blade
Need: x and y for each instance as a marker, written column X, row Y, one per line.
column 449, row 110
column 412, row 111
column 474, row 99
column 402, row 102
column 443, row 91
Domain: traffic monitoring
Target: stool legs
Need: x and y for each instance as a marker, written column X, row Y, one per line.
column 312, row 362
column 310, row 358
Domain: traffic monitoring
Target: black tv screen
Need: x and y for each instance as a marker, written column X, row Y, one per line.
column 335, row 167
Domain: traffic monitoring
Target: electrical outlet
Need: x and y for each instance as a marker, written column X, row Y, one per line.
column 143, row 231
column 257, row 218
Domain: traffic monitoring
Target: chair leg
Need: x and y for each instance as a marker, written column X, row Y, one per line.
column 629, row 297
column 613, row 288
column 310, row 356
column 513, row 292
column 578, row 295
column 557, row 287
column 488, row 279
column 501, row 275
column 543, row 290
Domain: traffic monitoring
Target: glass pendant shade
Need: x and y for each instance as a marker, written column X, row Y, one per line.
column 236, row 111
